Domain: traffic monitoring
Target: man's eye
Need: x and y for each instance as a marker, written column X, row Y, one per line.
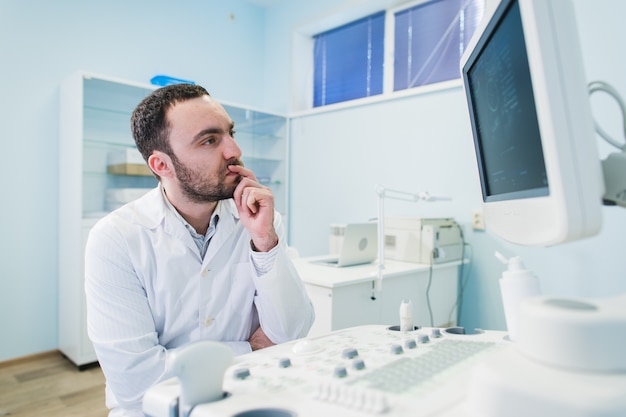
column 209, row 141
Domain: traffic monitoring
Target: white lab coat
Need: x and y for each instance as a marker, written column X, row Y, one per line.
column 148, row 292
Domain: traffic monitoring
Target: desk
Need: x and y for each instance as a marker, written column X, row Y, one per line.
column 342, row 297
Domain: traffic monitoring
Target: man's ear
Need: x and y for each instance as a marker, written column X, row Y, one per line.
column 161, row 164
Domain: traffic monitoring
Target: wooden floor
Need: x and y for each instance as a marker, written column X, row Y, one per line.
column 50, row 385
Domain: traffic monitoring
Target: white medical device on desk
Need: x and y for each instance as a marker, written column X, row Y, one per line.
column 423, row 240
column 543, row 184
column 369, row 371
column 363, row 371
column 568, row 361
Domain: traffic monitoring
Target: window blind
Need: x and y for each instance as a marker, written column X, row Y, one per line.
column 430, row 39
column 348, row 61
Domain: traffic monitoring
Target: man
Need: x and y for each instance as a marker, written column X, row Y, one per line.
column 200, row 257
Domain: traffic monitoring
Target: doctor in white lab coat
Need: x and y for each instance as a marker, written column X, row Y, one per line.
column 200, row 257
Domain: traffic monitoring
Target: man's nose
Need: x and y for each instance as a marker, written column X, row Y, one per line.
column 231, row 149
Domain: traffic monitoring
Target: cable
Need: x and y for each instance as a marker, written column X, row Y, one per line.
column 464, row 281
column 430, row 280
column 458, row 304
column 607, row 88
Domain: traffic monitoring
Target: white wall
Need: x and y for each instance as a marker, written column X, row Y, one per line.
column 41, row 43
column 423, row 143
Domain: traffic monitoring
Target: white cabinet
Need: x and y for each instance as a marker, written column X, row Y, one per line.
column 100, row 169
column 94, row 128
column 342, row 297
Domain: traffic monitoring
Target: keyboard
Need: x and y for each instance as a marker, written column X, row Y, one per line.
column 407, row 373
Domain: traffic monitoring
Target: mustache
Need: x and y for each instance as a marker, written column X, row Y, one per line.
column 235, row 161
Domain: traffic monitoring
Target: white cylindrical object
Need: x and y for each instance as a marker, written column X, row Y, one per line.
column 406, row 316
column 514, row 288
column 580, row 334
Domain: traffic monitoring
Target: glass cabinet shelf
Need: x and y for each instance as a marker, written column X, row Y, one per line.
column 262, row 138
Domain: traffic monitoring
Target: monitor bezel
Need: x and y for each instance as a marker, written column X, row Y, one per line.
column 572, row 207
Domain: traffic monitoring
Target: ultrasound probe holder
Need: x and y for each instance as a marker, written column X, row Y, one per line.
column 569, row 361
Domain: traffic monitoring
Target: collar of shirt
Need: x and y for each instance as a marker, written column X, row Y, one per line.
column 201, row 241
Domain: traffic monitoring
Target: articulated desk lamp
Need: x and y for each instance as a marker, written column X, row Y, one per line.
column 381, row 194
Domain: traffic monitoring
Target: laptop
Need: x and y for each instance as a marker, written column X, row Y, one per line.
column 358, row 247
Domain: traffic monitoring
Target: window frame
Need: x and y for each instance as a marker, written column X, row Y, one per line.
column 303, row 64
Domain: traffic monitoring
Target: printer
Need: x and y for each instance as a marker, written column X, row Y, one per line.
column 423, row 240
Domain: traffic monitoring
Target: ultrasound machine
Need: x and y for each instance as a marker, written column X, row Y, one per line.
column 543, row 184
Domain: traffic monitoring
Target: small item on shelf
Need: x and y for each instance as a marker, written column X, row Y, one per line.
column 127, row 162
column 163, row 80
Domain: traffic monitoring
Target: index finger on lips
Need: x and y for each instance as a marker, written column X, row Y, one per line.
column 243, row 171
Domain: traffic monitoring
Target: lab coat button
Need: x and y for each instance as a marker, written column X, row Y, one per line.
column 204, row 272
column 208, row 321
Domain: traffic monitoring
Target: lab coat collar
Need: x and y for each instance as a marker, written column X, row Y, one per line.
column 154, row 209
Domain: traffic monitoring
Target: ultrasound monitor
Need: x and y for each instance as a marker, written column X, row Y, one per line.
column 532, row 125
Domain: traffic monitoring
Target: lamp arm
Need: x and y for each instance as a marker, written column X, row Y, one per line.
column 382, row 193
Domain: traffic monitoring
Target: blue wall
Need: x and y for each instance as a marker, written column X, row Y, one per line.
column 248, row 61
column 43, row 42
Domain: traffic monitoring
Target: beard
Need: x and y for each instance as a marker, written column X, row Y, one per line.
column 199, row 187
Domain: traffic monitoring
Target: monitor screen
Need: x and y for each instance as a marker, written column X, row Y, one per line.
column 507, row 130
column 532, row 126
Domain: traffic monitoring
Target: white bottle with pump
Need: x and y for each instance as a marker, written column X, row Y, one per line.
column 517, row 283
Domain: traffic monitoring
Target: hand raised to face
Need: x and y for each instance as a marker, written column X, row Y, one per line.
column 255, row 204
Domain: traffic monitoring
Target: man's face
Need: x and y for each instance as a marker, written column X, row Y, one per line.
column 201, row 137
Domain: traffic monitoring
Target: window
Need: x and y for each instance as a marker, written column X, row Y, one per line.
column 349, row 61
column 429, row 38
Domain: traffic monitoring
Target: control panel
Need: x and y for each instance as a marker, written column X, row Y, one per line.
column 361, row 371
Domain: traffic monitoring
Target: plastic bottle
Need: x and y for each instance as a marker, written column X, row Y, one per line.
column 406, row 316
column 517, row 283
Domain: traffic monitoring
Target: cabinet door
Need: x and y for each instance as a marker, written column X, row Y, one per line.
column 97, row 173
column 113, row 171
column 86, row 353
column 353, row 306
column 322, row 299
column 433, row 297
column 262, row 138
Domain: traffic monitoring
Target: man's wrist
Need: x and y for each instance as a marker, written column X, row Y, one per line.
column 264, row 245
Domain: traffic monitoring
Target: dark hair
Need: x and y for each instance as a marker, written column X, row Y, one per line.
column 148, row 123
